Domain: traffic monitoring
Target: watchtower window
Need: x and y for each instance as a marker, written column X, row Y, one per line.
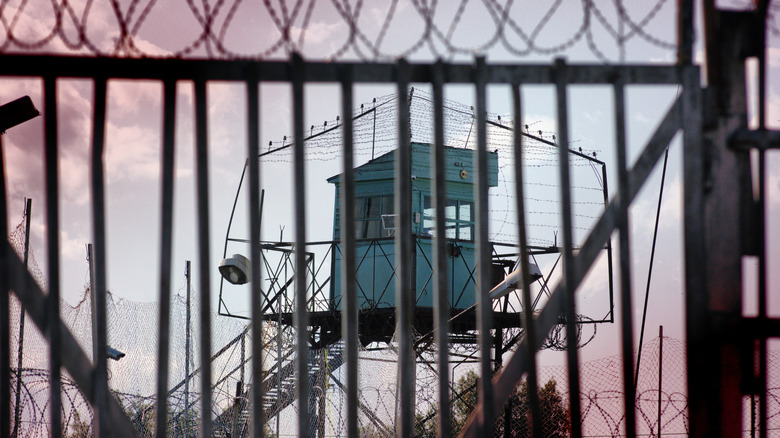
column 459, row 216
column 368, row 215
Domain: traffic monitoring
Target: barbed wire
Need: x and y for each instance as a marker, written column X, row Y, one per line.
column 71, row 27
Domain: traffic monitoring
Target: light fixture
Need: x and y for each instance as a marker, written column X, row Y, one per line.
column 113, row 353
column 17, row 112
column 515, row 281
column 236, row 269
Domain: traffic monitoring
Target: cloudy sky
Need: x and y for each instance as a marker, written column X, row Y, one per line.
column 320, row 31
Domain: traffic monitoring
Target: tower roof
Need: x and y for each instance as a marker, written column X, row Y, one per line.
column 459, row 166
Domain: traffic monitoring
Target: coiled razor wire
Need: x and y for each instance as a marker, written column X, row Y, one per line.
column 218, row 29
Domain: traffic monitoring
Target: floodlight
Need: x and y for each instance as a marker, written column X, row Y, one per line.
column 113, row 353
column 515, row 281
column 17, row 112
column 236, row 269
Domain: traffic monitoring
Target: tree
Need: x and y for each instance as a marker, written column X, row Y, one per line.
column 555, row 417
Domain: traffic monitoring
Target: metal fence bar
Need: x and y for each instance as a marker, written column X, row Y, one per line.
column 202, row 194
column 5, row 328
column 484, row 303
column 166, row 250
column 441, row 298
column 349, row 309
column 760, row 219
column 301, row 312
column 626, row 311
column 322, row 72
column 53, row 252
column 253, row 151
column 404, row 286
column 528, row 313
column 570, row 313
column 100, row 319
column 693, row 202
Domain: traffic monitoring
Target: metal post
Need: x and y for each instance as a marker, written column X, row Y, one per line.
column 20, row 355
column 403, row 243
column 626, row 311
column 529, row 325
column 570, row 275
column 349, row 319
column 486, row 417
column 5, row 295
column 204, row 252
column 660, row 373
column 166, row 250
column 93, row 310
column 714, row 219
column 255, row 219
column 100, row 341
column 442, row 305
column 187, row 354
column 54, row 328
column 297, row 71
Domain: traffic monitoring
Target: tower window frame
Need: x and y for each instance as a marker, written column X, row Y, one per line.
column 459, row 215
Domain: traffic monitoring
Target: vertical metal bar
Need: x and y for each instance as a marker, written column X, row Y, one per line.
column 561, row 80
column 761, row 13
column 762, row 291
column 5, row 296
column 20, row 353
column 188, row 317
column 349, row 308
column 660, row 372
column 166, row 250
column 99, row 265
column 93, row 302
column 253, row 151
column 301, row 313
column 528, row 313
column 484, row 304
column 201, row 156
column 695, row 256
column 626, row 311
column 405, row 294
column 685, row 32
column 53, row 252
column 441, row 314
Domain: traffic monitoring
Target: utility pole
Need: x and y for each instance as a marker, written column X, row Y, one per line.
column 19, row 357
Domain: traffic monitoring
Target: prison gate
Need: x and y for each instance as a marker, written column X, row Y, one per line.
column 298, row 73
column 722, row 224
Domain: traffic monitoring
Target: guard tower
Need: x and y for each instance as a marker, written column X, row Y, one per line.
column 375, row 228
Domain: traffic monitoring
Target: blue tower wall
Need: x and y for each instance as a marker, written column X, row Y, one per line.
column 375, row 248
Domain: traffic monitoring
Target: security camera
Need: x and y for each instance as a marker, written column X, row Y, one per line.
column 113, row 353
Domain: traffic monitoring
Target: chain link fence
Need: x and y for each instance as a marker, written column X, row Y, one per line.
column 661, row 387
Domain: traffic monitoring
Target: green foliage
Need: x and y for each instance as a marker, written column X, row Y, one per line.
column 555, row 417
